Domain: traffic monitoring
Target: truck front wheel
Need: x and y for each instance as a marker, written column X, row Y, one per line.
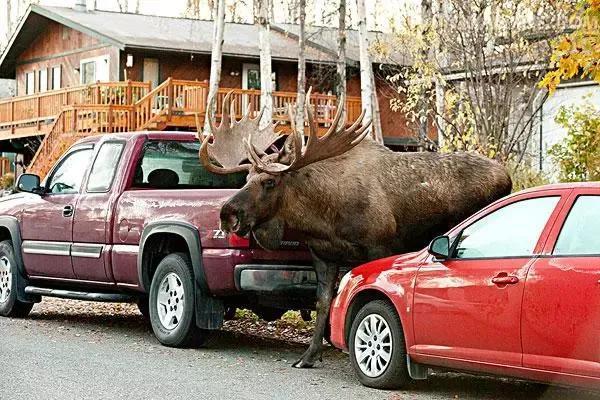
column 10, row 306
column 172, row 313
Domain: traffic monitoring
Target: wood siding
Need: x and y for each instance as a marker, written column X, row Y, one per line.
column 62, row 46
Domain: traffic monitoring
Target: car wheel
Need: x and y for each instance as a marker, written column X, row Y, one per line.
column 172, row 313
column 377, row 347
column 10, row 306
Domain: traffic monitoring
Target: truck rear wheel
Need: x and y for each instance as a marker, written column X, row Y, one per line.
column 10, row 306
column 172, row 313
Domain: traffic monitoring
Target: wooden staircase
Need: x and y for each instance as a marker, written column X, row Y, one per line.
column 173, row 104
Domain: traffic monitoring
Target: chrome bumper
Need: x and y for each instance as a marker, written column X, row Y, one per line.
column 275, row 278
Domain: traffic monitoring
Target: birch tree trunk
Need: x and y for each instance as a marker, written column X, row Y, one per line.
column 377, row 131
column 137, row 6
column 440, row 92
column 123, row 5
column 215, row 60
column 426, row 17
column 266, row 90
column 340, row 88
column 367, row 80
column 301, row 96
column 8, row 20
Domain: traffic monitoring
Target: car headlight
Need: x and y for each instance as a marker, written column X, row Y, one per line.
column 344, row 281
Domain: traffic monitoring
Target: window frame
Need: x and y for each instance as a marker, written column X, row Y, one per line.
column 30, row 86
column 82, row 71
column 42, row 83
column 56, row 77
column 544, row 234
column 116, row 168
column 62, row 160
column 561, row 225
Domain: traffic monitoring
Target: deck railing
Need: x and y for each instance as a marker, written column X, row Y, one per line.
column 41, row 107
column 129, row 106
column 135, row 106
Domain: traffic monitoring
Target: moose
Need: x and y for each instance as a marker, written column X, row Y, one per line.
column 351, row 199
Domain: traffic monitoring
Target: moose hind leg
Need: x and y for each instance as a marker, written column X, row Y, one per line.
column 326, row 277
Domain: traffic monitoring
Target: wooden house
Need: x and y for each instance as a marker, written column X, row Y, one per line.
column 80, row 72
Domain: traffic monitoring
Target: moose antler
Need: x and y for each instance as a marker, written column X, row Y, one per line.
column 228, row 147
column 335, row 142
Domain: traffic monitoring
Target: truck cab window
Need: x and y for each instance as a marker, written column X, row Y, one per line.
column 104, row 168
column 67, row 177
column 175, row 165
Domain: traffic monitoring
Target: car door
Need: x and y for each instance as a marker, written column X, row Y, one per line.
column 47, row 225
column 561, row 304
column 93, row 212
column 468, row 307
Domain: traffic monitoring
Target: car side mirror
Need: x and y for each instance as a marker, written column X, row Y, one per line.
column 440, row 247
column 29, row 183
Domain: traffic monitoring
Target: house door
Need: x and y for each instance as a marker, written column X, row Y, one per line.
column 251, row 76
column 150, row 73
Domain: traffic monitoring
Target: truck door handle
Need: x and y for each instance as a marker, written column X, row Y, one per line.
column 68, row 211
column 504, row 279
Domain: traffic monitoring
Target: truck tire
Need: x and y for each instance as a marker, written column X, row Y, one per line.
column 377, row 347
column 172, row 313
column 10, row 306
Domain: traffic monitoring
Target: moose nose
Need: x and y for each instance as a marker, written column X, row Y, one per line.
column 230, row 219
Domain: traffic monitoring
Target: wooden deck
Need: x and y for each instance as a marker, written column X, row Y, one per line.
column 63, row 116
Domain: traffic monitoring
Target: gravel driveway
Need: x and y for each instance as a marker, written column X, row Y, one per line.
column 79, row 350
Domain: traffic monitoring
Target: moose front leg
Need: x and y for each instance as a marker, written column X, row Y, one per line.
column 326, row 278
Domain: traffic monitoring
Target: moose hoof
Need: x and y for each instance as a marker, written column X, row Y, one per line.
column 302, row 363
column 308, row 359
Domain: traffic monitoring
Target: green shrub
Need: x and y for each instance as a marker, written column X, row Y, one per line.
column 578, row 155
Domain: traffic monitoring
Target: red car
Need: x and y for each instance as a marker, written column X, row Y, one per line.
column 514, row 290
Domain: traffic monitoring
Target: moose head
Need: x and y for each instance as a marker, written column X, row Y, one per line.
column 244, row 146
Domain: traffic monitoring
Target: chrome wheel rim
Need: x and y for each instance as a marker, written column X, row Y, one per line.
column 373, row 345
column 170, row 301
column 5, row 279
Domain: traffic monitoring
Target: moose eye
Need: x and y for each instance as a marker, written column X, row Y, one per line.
column 269, row 183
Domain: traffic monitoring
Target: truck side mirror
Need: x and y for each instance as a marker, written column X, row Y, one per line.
column 28, row 183
column 440, row 247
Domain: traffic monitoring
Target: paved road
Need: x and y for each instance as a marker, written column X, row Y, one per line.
column 70, row 350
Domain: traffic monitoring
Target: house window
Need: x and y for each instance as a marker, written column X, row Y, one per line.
column 95, row 69
column 56, row 78
column 42, row 80
column 88, row 72
column 30, row 82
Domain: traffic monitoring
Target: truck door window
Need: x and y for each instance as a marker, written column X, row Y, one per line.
column 104, row 168
column 175, row 165
column 67, row 177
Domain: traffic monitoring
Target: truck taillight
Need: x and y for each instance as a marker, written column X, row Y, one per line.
column 238, row 241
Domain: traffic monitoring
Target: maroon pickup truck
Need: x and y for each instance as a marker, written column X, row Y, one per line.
column 135, row 218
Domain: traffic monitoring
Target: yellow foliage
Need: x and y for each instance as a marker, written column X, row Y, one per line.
column 577, row 54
